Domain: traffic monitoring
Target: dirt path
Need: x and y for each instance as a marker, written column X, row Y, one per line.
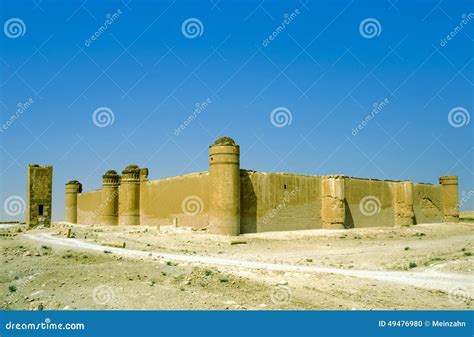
column 427, row 279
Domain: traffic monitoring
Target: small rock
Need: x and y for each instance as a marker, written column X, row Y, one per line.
column 224, row 279
column 237, row 242
column 27, row 253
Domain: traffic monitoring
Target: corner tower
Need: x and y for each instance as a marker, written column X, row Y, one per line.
column 224, row 187
column 449, row 198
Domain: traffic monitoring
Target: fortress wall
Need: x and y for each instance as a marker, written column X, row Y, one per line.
column 427, row 203
column 369, row 203
column 266, row 205
column 228, row 200
column 183, row 197
column 88, row 207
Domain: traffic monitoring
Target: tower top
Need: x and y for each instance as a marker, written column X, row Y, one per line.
column 110, row 173
column 224, row 141
column 131, row 169
column 73, row 182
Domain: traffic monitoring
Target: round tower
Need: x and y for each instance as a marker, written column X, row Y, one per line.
column 224, row 187
column 110, row 198
column 449, row 198
column 129, row 205
column 73, row 187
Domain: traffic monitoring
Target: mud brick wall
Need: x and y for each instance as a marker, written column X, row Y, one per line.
column 279, row 201
column 89, row 207
column 185, row 198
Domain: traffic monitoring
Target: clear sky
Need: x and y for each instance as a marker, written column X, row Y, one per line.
column 318, row 66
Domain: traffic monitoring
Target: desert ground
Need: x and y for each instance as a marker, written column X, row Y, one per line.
column 73, row 267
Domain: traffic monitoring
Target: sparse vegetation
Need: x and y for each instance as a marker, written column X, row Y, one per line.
column 71, row 274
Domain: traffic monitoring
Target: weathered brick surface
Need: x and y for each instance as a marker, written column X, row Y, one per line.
column 40, row 186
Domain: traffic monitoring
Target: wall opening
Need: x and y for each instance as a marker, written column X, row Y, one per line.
column 40, row 209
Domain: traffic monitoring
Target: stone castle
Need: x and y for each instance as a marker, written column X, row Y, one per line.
column 229, row 200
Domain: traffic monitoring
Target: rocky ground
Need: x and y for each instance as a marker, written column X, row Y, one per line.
column 421, row 267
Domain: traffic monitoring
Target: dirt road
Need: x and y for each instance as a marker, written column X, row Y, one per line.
column 421, row 267
column 426, row 279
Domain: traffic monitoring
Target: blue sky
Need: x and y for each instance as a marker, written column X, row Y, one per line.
column 325, row 68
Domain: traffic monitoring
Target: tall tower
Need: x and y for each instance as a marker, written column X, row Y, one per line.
column 73, row 187
column 224, row 188
column 39, row 194
column 129, row 198
column 449, row 198
column 110, row 198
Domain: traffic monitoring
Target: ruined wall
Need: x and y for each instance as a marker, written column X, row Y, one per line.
column 279, row 201
column 369, row 202
column 183, row 197
column 89, row 207
column 373, row 203
column 427, row 203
